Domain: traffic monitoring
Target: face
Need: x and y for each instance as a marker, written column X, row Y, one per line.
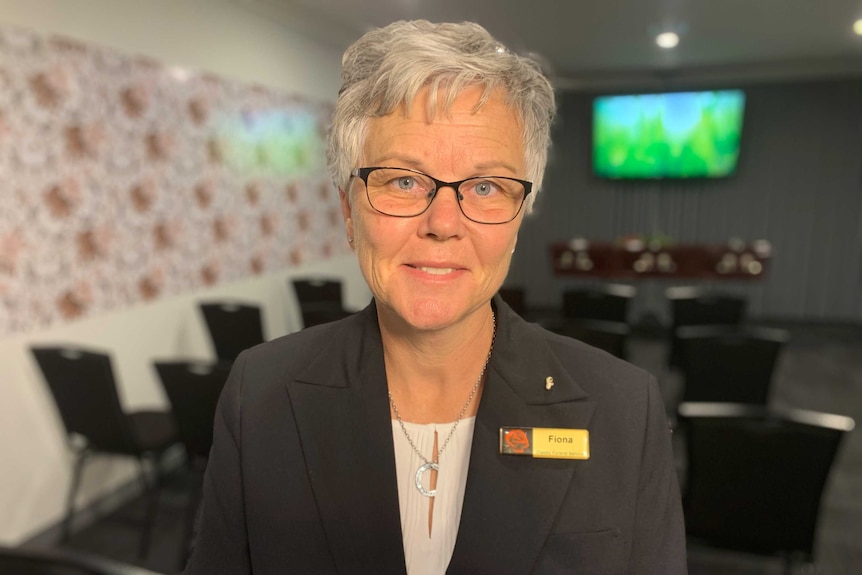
column 434, row 270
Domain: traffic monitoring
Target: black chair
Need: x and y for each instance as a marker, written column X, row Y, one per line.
column 607, row 335
column 85, row 392
column 695, row 306
column 233, row 327
column 193, row 389
column 17, row 561
column 319, row 300
column 731, row 364
column 608, row 302
column 755, row 476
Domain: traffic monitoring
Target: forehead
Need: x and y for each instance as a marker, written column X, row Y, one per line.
column 467, row 135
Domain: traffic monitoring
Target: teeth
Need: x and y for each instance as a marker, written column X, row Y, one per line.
column 437, row 271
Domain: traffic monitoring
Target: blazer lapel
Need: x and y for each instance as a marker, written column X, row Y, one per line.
column 511, row 502
column 342, row 414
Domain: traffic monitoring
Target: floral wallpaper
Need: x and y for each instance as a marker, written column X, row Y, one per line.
column 123, row 180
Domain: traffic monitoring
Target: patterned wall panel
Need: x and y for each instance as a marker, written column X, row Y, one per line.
column 123, row 180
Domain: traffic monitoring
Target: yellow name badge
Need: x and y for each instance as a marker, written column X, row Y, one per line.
column 545, row 442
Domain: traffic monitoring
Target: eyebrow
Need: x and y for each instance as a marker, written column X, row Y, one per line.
column 409, row 161
column 495, row 165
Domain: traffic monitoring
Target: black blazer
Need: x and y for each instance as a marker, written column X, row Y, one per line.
column 301, row 477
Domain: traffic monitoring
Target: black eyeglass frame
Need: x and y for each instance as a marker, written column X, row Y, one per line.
column 363, row 173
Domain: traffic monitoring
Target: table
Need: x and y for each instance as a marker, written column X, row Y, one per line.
column 635, row 259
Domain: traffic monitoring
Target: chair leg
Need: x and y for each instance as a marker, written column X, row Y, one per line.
column 194, row 499
column 66, row 532
column 151, row 490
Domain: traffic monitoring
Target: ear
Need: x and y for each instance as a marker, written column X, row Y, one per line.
column 346, row 213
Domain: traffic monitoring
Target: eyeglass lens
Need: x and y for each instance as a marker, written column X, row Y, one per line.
column 399, row 192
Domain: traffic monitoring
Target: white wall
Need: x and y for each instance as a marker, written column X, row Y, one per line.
column 215, row 35
column 212, row 35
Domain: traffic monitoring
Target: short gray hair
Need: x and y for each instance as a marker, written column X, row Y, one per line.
column 388, row 66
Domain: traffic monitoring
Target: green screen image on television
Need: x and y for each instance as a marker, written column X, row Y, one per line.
column 668, row 135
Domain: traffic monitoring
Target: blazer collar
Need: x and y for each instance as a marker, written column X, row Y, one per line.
column 510, row 502
column 524, row 360
column 342, row 416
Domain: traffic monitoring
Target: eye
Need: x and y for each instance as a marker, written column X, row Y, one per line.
column 484, row 188
column 406, row 182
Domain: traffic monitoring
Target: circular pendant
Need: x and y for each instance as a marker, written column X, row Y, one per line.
column 419, row 486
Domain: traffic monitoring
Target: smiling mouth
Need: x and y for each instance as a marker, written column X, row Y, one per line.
column 434, row 271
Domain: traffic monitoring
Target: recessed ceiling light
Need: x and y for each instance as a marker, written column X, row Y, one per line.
column 667, row 39
column 857, row 27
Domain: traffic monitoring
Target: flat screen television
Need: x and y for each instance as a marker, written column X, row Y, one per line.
column 667, row 135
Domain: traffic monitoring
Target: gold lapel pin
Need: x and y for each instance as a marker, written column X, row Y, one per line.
column 549, row 382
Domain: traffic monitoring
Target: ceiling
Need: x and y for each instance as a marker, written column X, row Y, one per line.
column 601, row 43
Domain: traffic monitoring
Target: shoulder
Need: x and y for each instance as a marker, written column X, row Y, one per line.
column 297, row 345
column 283, row 358
column 627, row 396
column 581, row 357
column 628, row 403
column 602, row 376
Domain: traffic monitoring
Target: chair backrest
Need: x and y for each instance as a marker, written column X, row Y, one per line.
column 607, row 335
column 319, row 300
column 755, row 476
column 606, row 303
column 694, row 306
column 733, row 364
column 317, row 291
column 193, row 389
column 85, row 392
column 233, row 327
column 514, row 298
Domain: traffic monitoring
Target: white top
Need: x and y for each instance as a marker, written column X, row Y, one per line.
column 431, row 555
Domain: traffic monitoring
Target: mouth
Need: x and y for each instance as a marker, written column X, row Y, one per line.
column 436, row 271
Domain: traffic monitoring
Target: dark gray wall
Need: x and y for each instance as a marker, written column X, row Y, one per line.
column 799, row 185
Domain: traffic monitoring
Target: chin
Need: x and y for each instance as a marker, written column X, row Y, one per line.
column 429, row 314
column 434, row 314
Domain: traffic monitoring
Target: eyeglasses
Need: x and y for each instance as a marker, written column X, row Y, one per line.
column 406, row 193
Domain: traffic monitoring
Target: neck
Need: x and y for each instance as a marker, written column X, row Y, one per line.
column 432, row 373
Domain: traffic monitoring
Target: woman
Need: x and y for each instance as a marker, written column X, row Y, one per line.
column 374, row 444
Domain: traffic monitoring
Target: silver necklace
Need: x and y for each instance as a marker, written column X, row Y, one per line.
column 429, row 465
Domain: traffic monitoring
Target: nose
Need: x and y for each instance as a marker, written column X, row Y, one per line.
column 443, row 218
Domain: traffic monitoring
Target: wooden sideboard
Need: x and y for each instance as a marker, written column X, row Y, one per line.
column 634, row 259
